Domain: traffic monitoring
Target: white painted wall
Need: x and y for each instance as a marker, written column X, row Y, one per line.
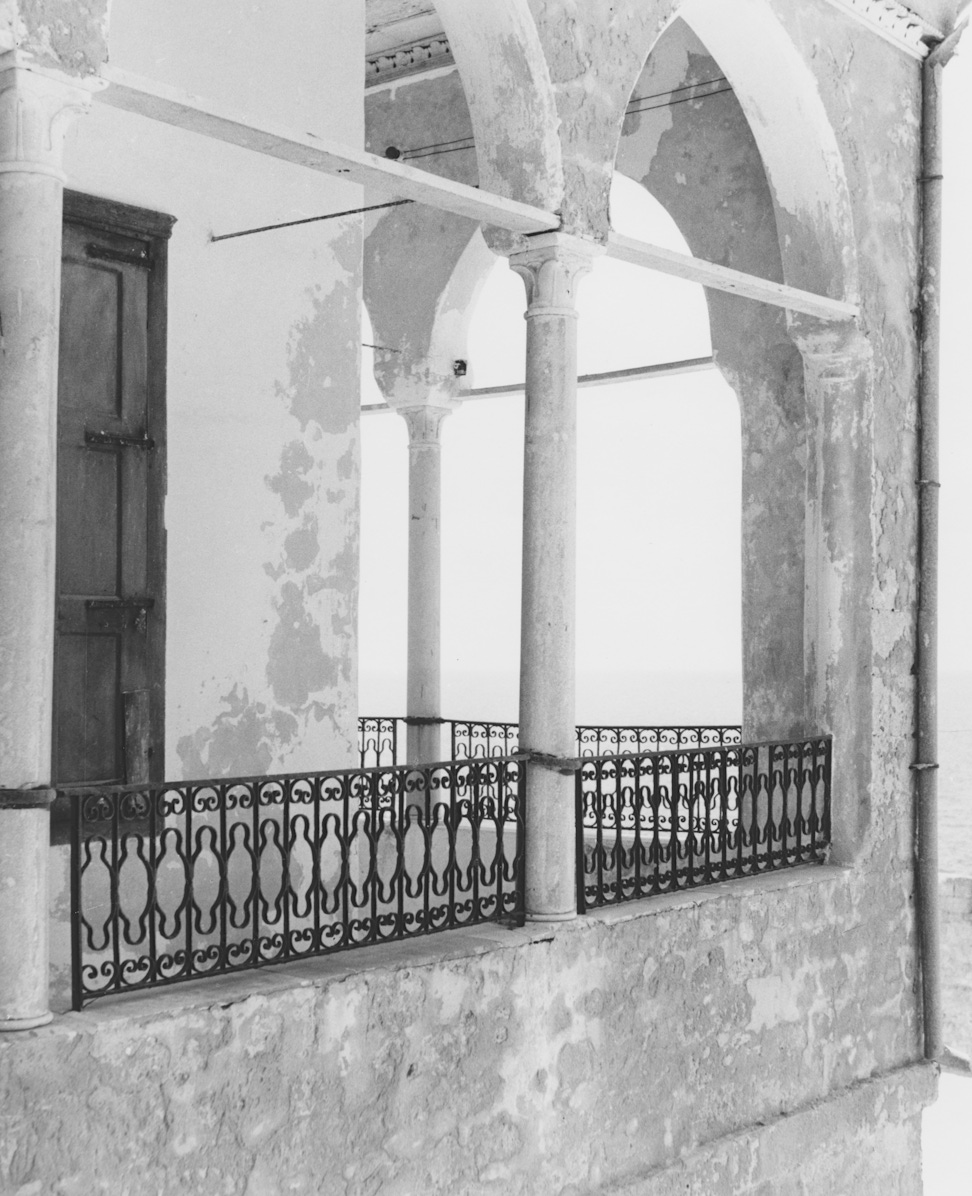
column 263, row 377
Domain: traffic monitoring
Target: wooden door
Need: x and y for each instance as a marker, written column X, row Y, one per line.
column 109, row 635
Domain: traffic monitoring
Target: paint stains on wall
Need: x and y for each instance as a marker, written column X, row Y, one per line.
column 292, row 704
column 296, row 664
column 315, row 569
column 242, row 741
column 290, row 481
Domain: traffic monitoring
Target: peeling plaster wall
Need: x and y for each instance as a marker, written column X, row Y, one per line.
column 652, row 1050
column 872, row 93
column 68, row 35
column 263, row 379
column 600, row 1055
column 700, row 160
column 507, row 83
column 579, row 36
column 404, row 278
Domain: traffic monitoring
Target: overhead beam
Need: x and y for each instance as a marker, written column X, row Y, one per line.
column 721, row 278
column 665, row 369
column 154, row 100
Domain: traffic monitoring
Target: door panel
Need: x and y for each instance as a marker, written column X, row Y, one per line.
column 91, row 310
column 88, row 676
column 88, row 531
column 109, row 634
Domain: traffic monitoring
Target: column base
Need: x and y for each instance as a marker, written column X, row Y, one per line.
column 568, row 917
column 10, row 1024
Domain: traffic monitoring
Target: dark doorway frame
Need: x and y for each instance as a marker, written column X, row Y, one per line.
column 153, row 229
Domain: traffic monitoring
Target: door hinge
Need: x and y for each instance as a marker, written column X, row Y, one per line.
column 138, row 606
column 118, row 440
column 128, row 257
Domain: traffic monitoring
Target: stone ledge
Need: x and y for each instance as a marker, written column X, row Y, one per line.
column 430, row 951
column 759, row 1158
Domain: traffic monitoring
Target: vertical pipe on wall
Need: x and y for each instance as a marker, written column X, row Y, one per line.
column 926, row 664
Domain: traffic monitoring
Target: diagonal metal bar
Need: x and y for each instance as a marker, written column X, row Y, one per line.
column 156, row 101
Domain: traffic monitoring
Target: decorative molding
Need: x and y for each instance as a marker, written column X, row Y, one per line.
column 894, row 22
column 412, row 59
column 36, row 108
column 551, row 267
column 424, row 424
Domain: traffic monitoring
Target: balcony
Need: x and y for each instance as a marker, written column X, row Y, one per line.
column 182, row 881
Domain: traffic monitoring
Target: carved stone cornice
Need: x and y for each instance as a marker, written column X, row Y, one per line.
column 36, row 109
column 427, row 54
column 894, row 22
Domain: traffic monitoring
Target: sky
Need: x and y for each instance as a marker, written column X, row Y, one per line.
column 658, row 630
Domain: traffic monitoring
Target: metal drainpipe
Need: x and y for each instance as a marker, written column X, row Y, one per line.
column 926, row 664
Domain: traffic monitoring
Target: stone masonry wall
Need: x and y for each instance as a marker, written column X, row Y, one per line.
column 593, row 1056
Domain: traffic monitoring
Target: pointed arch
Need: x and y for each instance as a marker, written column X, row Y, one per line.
column 775, row 85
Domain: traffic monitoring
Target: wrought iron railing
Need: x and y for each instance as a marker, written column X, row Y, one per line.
column 626, row 740
column 174, row 882
column 380, row 739
column 658, row 822
column 183, row 881
column 378, row 742
column 473, row 740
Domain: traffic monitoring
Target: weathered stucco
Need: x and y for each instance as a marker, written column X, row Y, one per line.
column 692, row 1044
column 578, row 1059
column 68, row 35
column 700, row 160
column 263, row 386
column 406, row 288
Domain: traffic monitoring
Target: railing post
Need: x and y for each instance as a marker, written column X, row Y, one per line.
column 551, row 268
column 579, row 839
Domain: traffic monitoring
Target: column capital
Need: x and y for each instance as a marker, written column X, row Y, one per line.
column 831, row 350
column 37, row 106
column 551, row 266
column 424, row 424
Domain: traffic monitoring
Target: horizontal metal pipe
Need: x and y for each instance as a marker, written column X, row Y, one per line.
column 665, row 369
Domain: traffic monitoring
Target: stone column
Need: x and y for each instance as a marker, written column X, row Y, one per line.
column 551, row 268
column 424, row 697
column 35, row 108
column 839, row 555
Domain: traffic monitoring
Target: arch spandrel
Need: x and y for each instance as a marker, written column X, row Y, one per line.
column 507, row 83
column 595, row 50
column 422, row 267
column 780, row 96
